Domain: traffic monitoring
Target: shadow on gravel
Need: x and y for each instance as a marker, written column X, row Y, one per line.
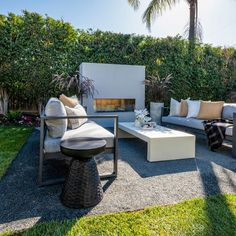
column 136, row 158
column 137, row 152
column 217, row 209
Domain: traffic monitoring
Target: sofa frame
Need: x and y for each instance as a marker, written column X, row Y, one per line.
column 201, row 132
column 59, row 155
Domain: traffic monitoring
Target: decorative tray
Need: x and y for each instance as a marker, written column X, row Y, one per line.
column 149, row 126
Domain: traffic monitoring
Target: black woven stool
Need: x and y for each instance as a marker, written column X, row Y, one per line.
column 82, row 187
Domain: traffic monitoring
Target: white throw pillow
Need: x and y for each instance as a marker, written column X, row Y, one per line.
column 193, row 108
column 78, row 110
column 56, row 128
column 175, row 107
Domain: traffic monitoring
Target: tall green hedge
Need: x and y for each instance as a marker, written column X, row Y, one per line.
column 33, row 48
column 207, row 73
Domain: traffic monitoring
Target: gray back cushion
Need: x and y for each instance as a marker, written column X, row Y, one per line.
column 228, row 110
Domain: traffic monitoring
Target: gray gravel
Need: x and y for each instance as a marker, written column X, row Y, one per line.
column 139, row 184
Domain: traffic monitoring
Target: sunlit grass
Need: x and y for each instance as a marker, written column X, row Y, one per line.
column 12, row 139
column 204, row 216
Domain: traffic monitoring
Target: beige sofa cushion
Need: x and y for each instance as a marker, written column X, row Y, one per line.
column 88, row 130
column 69, row 101
column 78, row 110
column 210, row 110
column 184, row 108
column 56, row 128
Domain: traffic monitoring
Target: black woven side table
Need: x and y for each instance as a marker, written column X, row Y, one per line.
column 82, row 187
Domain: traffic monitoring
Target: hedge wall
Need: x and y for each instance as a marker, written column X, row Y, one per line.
column 33, row 48
column 207, row 73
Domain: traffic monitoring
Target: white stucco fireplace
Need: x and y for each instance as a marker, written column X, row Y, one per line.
column 120, row 90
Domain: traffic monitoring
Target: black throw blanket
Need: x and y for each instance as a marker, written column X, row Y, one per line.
column 215, row 131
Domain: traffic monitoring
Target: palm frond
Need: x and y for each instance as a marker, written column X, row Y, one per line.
column 198, row 30
column 134, row 3
column 155, row 8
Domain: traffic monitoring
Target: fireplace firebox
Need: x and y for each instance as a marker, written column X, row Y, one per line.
column 114, row 105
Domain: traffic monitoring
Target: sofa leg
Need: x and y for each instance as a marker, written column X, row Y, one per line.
column 116, row 161
column 212, row 149
column 40, row 171
column 234, row 149
column 40, row 177
column 107, row 176
column 41, row 153
column 234, row 136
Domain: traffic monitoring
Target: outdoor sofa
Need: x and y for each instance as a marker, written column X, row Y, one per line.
column 195, row 125
column 50, row 146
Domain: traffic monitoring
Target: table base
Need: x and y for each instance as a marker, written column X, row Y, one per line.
column 82, row 187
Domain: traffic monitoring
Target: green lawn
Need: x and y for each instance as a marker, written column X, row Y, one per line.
column 206, row 216
column 12, row 139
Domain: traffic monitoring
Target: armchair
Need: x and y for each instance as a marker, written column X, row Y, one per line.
column 101, row 132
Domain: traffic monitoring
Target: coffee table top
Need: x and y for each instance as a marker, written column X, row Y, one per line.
column 82, row 147
column 156, row 133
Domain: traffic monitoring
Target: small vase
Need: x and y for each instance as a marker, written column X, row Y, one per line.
column 137, row 123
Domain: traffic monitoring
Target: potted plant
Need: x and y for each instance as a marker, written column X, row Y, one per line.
column 76, row 84
column 141, row 117
column 158, row 90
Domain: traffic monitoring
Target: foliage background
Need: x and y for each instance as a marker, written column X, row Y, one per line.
column 33, row 48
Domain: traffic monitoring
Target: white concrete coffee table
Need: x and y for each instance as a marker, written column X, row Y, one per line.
column 163, row 143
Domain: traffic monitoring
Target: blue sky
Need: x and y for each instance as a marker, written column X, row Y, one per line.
column 218, row 17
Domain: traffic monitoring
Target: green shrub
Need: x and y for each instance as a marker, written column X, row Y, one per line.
column 34, row 48
column 14, row 115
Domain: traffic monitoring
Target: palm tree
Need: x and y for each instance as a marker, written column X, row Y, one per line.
column 156, row 7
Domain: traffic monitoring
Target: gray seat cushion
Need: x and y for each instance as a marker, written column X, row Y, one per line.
column 87, row 130
column 228, row 110
column 192, row 123
column 229, row 131
column 183, row 121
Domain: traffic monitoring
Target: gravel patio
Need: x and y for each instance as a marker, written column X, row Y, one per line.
column 139, row 183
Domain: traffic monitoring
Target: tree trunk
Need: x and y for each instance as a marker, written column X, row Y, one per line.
column 192, row 22
column 4, row 99
column 40, row 107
